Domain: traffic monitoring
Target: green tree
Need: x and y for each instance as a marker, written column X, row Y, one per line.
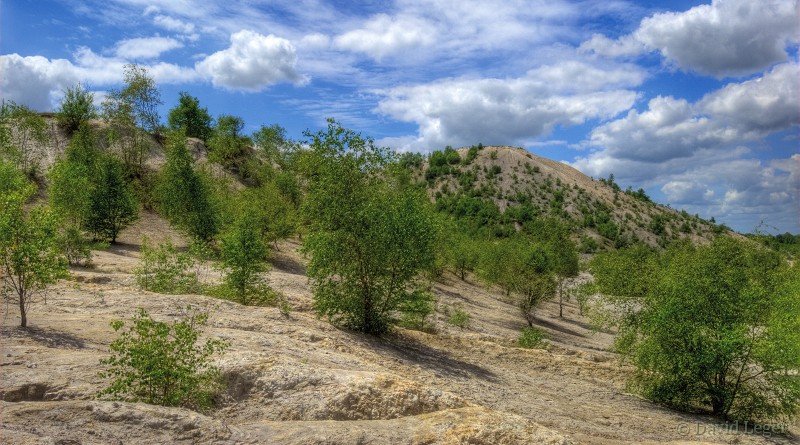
column 113, row 204
column 22, row 130
column 130, row 113
column 227, row 145
column 183, row 197
column 77, row 108
column 368, row 238
column 708, row 327
column 30, row 254
column 190, row 117
column 163, row 364
column 244, row 255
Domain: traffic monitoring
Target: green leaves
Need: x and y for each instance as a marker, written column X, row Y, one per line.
column 369, row 237
column 113, row 205
column 709, row 327
column 159, row 363
column 77, row 108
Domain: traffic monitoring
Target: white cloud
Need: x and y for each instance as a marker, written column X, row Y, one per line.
column 36, row 81
column 727, row 37
column 252, row 63
column 499, row 111
column 383, row 36
column 145, row 47
column 173, row 24
column 694, row 154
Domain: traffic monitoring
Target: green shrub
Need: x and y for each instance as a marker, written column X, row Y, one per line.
column 416, row 309
column 459, row 318
column 77, row 248
column 165, row 270
column 162, row 364
column 76, row 108
column 531, row 338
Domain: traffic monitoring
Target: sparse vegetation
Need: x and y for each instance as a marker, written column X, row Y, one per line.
column 162, row 363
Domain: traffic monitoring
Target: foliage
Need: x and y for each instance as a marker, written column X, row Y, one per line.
column 113, row 204
column 183, row 197
column 711, row 326
column 163, row 364
column 531, row 338
column 77, row 249
column 77, row 108
column 227, row 145
column 416, row 309
column 459, row 318
column 142, row 96
column 164, row 269
column 189, row 117
column 271, row 212
column 244, row 254
column 368, row 237
column 21, row 130
column 30, row 253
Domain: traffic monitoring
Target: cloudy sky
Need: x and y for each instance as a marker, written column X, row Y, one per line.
column 696, row 101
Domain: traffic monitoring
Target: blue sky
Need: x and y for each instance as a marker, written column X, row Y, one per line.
column 698, row 102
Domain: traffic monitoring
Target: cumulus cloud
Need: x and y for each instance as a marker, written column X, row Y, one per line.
column 37, row 81
column 463, row 111
column 693, row 152
column 145, row 47
column 730, row 37
column 252, row 63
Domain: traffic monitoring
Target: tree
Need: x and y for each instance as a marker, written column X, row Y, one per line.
column 71, row 178
column 21, row 130
column 30, row 257
column 709, row 327
column 562, row 253
column 130, row 113
column 227, row 145
column 77, row 108
column 159, row 363
column 190, row 117
column 183, row 197
column 244, row 254
column 113, row 203
column 368, row 238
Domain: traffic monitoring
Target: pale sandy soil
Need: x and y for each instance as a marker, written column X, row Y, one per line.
column 297, row 379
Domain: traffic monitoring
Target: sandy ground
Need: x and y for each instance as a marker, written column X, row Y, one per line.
column 297, row 379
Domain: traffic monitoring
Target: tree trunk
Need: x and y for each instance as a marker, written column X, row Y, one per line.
column 23, row 317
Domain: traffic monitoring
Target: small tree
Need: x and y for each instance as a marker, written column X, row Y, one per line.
column 227, row 144
column 189, row 117
column 162, row 364
column 77, row 108
column 30, row 254
column 165, row 270
column 113, row 203
column 183, row 197
column 708, row 327
column 244, row 254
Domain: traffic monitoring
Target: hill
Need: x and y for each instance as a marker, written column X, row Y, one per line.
column 523, row 186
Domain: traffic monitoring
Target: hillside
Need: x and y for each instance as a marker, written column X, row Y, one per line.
column 298, row 380
column 524, row 186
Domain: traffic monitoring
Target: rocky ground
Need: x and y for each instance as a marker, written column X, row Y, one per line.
column 298, row 380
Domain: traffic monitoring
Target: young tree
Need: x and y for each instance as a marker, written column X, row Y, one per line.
column 130, row 113
column 113, row 203
column 163, row 364
column 244, row 255
column 30, row 255
column 184, row 199
column 227, row 144
column 708, row 327
column 77, row 108
column 368, row 238
column 21, row 130
column 190, row 117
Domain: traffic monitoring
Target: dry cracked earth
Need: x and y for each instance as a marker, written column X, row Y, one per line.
column 298, row 380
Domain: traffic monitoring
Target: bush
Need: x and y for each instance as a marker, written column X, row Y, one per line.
column 165, row 270
column 531, row 338
column 162, row 364
column 459, row 318
column 244, row 255
column 76, row 247
column 416, row 309
column 76, row 108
